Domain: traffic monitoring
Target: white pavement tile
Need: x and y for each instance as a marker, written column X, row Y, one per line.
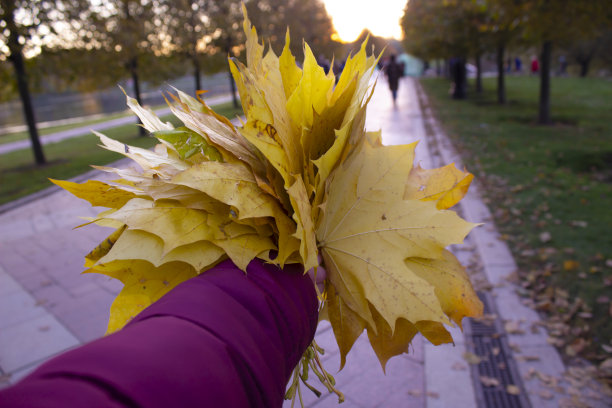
column 403, row 384
column 18, row 307
column 448, row 380
column 14, row 228
column 8, row 285
column 31, row 341
column 325, row 339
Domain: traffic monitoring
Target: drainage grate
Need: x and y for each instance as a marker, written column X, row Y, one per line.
column 489, row 342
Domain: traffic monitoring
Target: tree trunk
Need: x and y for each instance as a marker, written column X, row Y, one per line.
column 16, row 57
column 544, row 106
column 136, row 82
column 584, row 67
column 233, row 88
column 459, row 75
column 478, row 74
column 28, row 110
column 501, row 83
column 438, row 68
column 196, row 73
column 228, row 47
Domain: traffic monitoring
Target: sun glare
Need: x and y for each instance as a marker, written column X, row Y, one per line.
column 351, row 17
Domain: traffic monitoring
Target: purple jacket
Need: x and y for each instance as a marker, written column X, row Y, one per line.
column 222, row 339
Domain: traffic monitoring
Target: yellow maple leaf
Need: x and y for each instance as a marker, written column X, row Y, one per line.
column 143, row 285
column 446, row 185
column 98, row 193
column 371, row 235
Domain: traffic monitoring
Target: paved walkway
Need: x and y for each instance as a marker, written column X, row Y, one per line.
column 47, row 307
column 86, row 130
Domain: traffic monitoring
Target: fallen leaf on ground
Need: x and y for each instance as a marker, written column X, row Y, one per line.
column 515, row 347
column 513, row 327
column 489, row 381
column 457, row 366
column 545, row 394
column 527, row 358
column 570, row 265
column 545, row 237
column 606, row 364
column 513, row 389
column 472, row 358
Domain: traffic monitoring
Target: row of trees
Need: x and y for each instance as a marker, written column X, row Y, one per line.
column 470, row 29
column 93, row 44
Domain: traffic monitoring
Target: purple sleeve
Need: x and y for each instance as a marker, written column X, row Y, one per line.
column 222, row 339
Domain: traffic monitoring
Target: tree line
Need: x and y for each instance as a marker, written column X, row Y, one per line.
column 87, row 45
column 462, row 30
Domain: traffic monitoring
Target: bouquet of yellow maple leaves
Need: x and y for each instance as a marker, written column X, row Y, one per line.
column 302, row 178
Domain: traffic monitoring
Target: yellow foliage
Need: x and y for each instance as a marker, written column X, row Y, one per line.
column 299, row 182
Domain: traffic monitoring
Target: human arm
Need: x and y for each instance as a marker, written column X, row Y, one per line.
column 224, row 338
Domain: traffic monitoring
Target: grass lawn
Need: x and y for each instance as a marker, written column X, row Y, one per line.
column 69, row 158
column 550, row 190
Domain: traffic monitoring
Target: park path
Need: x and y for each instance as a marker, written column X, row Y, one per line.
column 86, row 130
column 46, row 306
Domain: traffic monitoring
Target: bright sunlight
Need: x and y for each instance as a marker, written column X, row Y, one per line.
column 350, row 17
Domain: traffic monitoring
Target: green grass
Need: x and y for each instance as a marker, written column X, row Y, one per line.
column 69, row 158
column 546, row 179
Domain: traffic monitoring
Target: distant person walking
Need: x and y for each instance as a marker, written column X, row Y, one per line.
column 394, row 72
column 562, row 65
column 535, row 65
column 518, row 65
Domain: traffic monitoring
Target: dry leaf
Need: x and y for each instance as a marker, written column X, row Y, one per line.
column 489, row 381
column 513, row 389
column 545, row 237
column 570, row 265
column 545, row 394
column 513, row 327
column 472, row 358
column 606, row 364
column 457, row 366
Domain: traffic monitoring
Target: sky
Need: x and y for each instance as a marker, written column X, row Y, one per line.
column 381, row 17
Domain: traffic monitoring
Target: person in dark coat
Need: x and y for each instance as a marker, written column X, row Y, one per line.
column 221, row 339
column 394, row 72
